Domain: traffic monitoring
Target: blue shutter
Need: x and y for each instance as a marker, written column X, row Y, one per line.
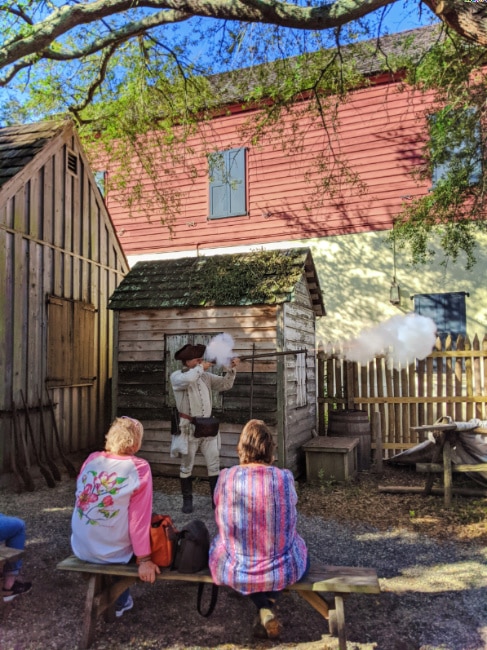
column 227, row 183
column 218, row 186
column 448, row 310
column 237, row 190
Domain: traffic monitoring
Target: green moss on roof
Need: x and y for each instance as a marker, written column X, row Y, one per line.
column 262, row 277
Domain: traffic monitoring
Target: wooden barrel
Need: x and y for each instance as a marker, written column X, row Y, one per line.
column 352, row 423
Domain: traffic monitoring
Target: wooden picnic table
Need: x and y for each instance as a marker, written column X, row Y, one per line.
column 445, row 436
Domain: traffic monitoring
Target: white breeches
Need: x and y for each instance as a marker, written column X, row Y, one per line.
column 209, row 447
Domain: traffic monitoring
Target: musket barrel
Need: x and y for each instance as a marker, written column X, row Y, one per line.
column 271, row 354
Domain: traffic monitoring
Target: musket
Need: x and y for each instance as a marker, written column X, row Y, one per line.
column 271, row 354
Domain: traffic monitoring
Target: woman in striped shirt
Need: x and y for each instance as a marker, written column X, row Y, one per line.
column 257, row 550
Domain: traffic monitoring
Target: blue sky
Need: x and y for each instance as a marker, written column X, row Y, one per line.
column 400, row 16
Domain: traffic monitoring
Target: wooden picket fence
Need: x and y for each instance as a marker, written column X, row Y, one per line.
column 451, row 381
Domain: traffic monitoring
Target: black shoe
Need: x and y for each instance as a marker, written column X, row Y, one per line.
column 16, row 589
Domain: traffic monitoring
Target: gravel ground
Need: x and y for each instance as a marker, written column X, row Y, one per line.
column 434, row 588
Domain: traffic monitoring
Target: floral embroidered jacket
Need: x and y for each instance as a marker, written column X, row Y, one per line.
column 111, row 518
column 257, row 547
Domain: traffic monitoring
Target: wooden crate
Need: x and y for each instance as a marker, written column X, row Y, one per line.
column 329, row 457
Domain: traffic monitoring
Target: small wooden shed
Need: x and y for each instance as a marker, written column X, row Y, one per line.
column 268, row 301
column 60, row 260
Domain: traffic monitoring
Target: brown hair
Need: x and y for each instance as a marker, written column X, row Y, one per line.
column 255, row 444
column 124, row 437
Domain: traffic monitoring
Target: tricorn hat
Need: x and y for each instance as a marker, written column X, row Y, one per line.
column 188, row 352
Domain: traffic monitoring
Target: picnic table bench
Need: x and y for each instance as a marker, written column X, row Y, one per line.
column 107, row 581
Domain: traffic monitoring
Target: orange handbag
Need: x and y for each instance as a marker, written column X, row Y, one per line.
column 163, row 537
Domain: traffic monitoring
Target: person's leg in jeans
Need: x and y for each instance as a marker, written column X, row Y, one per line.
column 12, row 532
column 124, row 603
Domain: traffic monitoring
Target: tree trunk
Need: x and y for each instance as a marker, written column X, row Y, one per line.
column 469, row 19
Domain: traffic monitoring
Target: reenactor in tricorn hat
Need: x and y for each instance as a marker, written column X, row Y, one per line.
column 193, row 386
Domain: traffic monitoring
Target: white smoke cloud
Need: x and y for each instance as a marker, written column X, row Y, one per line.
column 402, row 339
column 220, row 349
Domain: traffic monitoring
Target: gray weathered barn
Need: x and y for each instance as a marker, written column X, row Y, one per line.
column 60, row 260
column 267, row 301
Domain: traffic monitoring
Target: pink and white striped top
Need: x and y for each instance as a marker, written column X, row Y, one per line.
column 257, row 547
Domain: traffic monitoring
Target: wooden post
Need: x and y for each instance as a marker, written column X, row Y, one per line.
column 377, row 435
column 321, row 389
column 349, row 385
column 437, row 451
column 447, row 471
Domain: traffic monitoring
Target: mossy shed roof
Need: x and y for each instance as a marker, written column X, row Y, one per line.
column 262, row 277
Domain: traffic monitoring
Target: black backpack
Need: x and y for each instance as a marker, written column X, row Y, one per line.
column 192, row 548
column 191, row 555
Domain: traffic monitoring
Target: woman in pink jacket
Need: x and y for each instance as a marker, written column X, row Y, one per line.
column 112, row 515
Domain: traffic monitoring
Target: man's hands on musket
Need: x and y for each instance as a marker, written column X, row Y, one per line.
column 207, row 364
column 148, row 571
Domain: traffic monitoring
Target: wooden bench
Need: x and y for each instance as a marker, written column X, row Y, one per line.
column 103, row 590
column 8, row 554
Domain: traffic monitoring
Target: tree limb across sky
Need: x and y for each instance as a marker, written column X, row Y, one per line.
column 39, row 29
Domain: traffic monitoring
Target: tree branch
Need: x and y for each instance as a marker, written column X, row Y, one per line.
column 120, row 36
column 39, row 37
column 97, row 82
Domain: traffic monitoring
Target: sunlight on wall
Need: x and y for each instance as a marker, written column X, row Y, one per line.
column 356, row 272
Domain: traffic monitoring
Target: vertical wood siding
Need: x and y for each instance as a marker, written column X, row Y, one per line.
column 299, row 421
column 380, row 134
column 56, row 238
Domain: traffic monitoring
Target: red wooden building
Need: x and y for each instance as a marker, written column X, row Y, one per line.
column 230, row 194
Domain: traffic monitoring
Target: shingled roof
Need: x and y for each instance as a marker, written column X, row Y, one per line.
column 369, row 57
column 261, row 277
column 21, row 143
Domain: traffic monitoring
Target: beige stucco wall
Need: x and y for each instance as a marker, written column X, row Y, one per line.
column 355, row 274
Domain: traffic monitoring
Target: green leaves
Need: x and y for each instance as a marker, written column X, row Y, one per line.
column 453, row 211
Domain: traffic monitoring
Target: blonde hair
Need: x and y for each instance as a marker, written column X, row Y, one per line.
column 124, row 436
column 255, row 444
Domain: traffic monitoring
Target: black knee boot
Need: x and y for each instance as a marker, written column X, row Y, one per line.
column 187, row 492
column 213, row 480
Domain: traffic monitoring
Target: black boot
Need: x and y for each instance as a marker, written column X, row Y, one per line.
column 213, row 480
column 187, row 492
